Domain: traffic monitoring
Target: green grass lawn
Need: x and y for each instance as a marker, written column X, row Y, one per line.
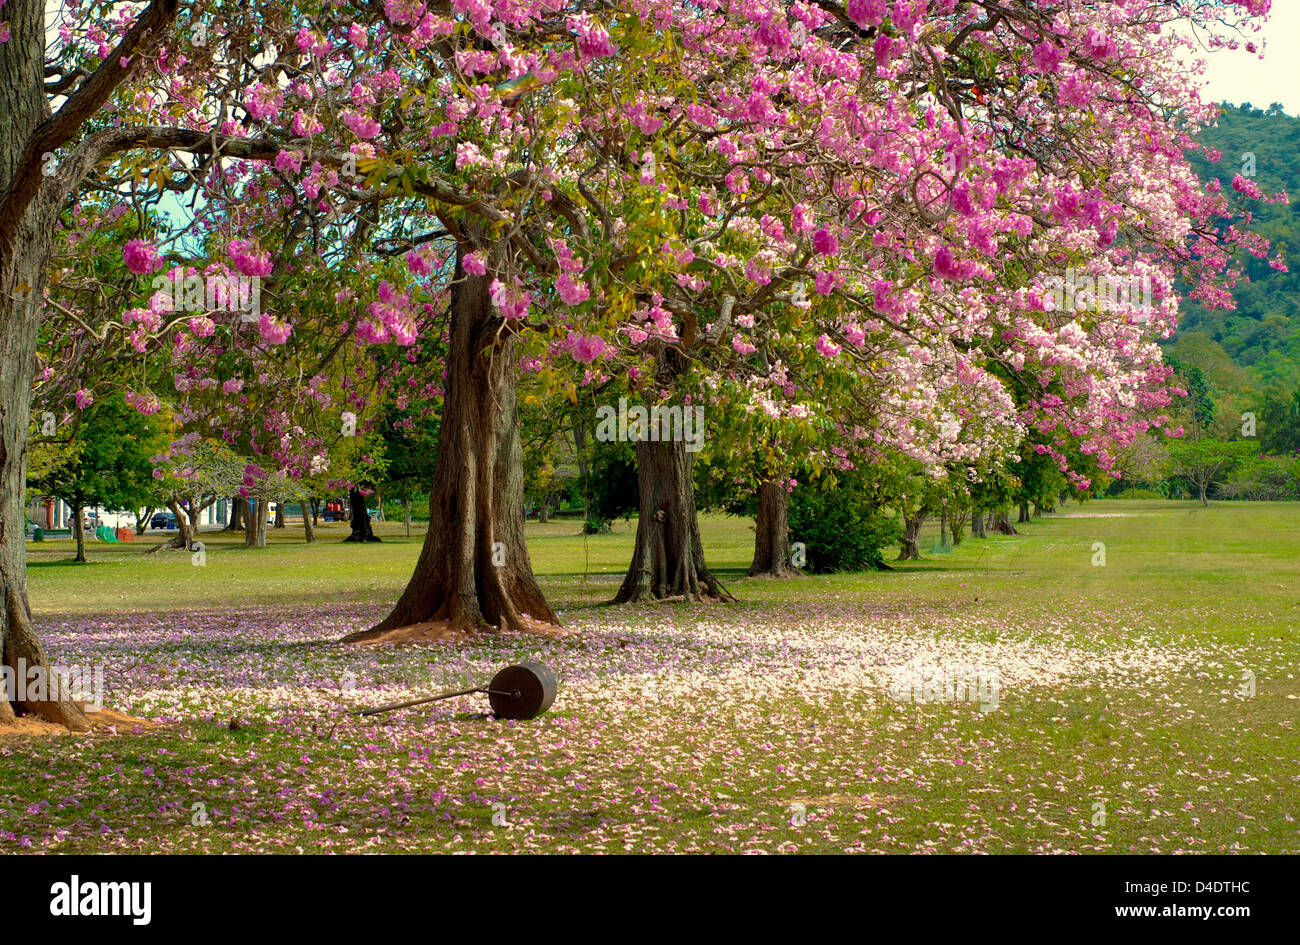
column 1161, row 686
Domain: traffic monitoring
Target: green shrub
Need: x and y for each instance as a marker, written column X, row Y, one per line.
column 1139, row 494
column 840, row 528
column 1264, row 478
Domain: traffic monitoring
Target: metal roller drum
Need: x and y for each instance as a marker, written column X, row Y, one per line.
column 523, row 691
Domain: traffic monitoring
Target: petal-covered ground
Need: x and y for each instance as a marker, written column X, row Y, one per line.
column 991, row 702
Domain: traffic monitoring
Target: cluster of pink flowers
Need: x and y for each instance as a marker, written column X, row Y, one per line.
column 585, row 348
column 511, row 301
column 593, row 38
column 141, row 257
column 249, row 258
column 145, row 403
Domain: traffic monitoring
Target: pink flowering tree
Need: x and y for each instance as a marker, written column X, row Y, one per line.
column 904, row 177
column 643, row 187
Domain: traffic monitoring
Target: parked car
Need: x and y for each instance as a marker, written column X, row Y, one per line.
column 163, row 520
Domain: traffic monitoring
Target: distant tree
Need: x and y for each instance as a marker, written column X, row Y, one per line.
column 1264, row 478
column 107, row 463
column 1278, row 420
column 1200, row 403
column 410, row 445
column 191, row 477
column 1204, row 461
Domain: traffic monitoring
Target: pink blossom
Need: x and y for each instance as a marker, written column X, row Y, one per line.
column 249, row 258
column 571, row 291
column 305, row 125
column 261, row 101
column 287, row 161
column 145, row 404
column 141, row 258
column 773, row 33
column 946, row 265
column 1098, row 45
column 593, row 39
column 418, row 264
column 825, row 282
column 866, row 12
column 741, row 346
column 510, row 302
column 273, row 331
column 825, row 243
column 826, row 347
column 1244, row 185
column 800, row 220
column 363, row 126
column 585, row 348
column 1047, row 57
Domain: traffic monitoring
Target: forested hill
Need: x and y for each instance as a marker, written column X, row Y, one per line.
column 1256, row 347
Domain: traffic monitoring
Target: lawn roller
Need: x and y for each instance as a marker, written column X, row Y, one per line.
column 523, row 691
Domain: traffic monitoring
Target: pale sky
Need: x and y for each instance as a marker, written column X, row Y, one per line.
column 1238, row 76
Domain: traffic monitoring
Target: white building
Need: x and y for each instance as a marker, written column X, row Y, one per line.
column 55, row 514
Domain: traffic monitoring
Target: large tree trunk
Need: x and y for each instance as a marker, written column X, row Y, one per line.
column 186, row 524
column 238, row 508
column 255, row 524
column 1201, row 486
column 474, row 571
column 186, row 527
column 911, row 545
column 279, row 514
column 668, row 559
column 361, row 530
column 19, row 647
column 31, row 204
column 977, row 525
column 315, row 512
column 22, row 260
column 1001, row 524
column 142, row 522
column 1024, row 513
column 772, row 533
column 79, row 529
column 308, row 526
